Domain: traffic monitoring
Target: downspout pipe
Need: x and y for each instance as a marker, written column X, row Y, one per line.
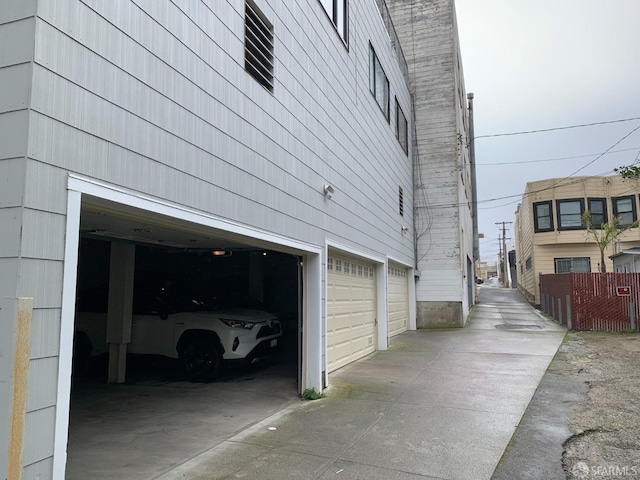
column 474, row 190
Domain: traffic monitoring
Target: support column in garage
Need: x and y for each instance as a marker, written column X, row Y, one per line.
column 121, row 270
column 256, row 276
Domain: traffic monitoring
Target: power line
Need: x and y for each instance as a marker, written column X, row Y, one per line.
column 555, row 184
column 555, row 128
column 556, row 159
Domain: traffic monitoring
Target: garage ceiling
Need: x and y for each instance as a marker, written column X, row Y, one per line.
column 108, row 220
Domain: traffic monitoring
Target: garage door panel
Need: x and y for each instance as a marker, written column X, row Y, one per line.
column 398, row 299
column 351, row 314
column 351, row 351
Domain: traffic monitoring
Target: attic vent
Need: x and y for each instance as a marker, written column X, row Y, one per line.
column 258, row 45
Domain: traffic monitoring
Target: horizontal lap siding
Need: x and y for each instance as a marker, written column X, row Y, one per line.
column 153, row 96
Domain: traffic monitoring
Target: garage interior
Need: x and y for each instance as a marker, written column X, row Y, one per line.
column 156, row 418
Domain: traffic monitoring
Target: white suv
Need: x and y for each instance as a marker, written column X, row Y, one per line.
column 202, row 337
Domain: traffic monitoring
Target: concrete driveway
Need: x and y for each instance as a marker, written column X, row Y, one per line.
column 439, row 404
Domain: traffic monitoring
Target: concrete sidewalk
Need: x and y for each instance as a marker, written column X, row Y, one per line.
column 439, row 404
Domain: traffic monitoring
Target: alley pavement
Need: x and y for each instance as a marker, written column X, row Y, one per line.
column 439, row 404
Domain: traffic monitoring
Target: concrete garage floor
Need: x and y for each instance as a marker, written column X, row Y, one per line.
column 158, row 421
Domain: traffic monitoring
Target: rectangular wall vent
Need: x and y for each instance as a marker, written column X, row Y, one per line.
column 258, row 46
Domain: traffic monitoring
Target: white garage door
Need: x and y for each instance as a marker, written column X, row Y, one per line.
column 398, row 291
column 351, row 310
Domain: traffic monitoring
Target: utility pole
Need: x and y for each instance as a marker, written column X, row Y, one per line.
column 500, row 259
column 474, row 188
column 505, row 268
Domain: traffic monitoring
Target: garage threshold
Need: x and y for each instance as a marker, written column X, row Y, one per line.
column 146, row 429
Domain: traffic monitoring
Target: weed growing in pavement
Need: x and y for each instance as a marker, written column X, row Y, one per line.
column 312, row 394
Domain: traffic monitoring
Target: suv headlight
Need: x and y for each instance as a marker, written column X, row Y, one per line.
column 237, row 323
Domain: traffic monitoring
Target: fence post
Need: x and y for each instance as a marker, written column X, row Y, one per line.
column 547, row 309
column 547, row 303
column 632, row 315
column 553, row 307
column 569, row 312
column 560, row 311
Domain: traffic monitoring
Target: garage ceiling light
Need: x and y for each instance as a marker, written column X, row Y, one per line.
column 221, row 253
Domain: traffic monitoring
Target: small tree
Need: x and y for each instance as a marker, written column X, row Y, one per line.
column 628, row 171
column 605, row 234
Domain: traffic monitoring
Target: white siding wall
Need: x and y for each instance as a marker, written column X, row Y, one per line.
column 181, row 119
column 17, row 27
column 153, row 97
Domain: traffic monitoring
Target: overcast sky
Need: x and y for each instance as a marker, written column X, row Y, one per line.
column 539, row 64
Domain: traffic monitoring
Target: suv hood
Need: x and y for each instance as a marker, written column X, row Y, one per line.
column 244, row 314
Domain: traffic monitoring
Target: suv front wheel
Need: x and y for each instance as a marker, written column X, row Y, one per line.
column 202, row 359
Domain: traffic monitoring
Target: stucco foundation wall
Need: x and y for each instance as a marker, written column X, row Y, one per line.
column 439, row 315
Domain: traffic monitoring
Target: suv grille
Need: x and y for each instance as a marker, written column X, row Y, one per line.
column 272, row 329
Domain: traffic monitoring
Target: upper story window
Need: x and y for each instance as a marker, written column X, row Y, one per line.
column 625, row 209
column 542, row 219
column 401, row 128
column 337, row 10
column 378, row 83
column 258, row 45
column 598, row 209
column 570, row 213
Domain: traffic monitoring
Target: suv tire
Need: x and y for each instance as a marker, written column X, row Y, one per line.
column 202, row 359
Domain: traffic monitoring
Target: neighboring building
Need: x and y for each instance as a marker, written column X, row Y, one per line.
column 235, row 126
column 550, row 237
column 445, row 287
column 487, row 270
column 626, row 261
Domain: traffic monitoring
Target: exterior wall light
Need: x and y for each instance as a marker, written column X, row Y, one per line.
column 328, row 191
column 404, row 230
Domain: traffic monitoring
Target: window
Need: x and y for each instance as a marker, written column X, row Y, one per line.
column 625, row 209
column 337, row 11
column 338, row 265
column 575, row 264
column 542, row 219
column 258, row 46
column 570, row 213
column 401, row 201
column 529, row 263
column 598, row 210
column 378, row 83
column 330, row 263
column 401, row 128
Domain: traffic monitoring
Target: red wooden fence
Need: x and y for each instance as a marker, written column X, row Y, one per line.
column 592, row 301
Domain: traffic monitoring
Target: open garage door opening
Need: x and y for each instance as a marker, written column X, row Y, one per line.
column 214, row 344
column 214, row 311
